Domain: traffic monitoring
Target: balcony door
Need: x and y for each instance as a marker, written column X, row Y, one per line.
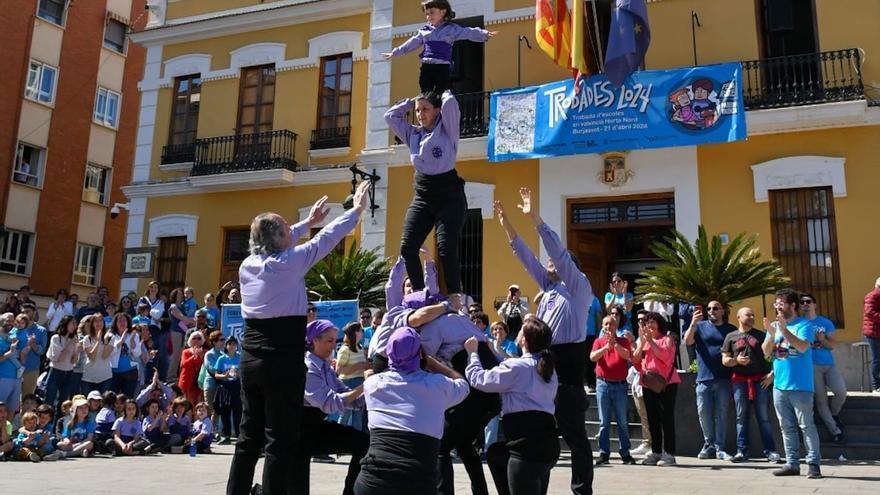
column 256, row 110
column 787, row 29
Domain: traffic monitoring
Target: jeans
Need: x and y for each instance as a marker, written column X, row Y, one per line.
column 762, row 414
column 713, row 399
column 58, row 386
column 125, row 382
column 356, row 418
column 612, row 399
column 875, row 362
column 86, row 387
column 160, row 340
column 794, row 408
column 824, row 378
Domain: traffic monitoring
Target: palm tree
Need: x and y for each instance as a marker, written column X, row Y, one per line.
column 708, row 271
column 359, row 274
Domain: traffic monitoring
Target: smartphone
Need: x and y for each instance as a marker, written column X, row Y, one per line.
column 699, row 307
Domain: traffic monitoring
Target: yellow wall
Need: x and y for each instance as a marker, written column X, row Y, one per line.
column 232, row 209
column 500, row 266
column 727, row 202
column 851, row 25
column 186, row 8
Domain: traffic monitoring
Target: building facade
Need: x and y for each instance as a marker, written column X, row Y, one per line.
column 268, row 73
column 69, row 104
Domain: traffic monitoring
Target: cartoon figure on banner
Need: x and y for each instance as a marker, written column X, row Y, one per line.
column 695, row 106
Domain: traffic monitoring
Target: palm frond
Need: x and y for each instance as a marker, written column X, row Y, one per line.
column 358, row 274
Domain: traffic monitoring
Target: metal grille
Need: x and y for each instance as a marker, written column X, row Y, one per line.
column 236, row 246
column 805, row 243
column 645, row 211
column 171, row 262
column 245, row 152
column 470, row 255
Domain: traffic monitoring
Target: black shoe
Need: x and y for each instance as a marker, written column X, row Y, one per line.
column 257, row 489
column 787, row 471
column 628, row 460
column 814, row 473
column 603, row 459
column 323, row 459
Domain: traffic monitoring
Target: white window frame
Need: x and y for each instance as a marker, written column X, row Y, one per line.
column 66, row 4
column 36, row 167
column 111, row 47
column 6, row 257
column 101, row 115
column 103, row 196
column 81, row 270
column 34, row 83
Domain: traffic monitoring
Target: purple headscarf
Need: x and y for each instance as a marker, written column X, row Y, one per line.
column 420, row 298
column 316, row 328
column 403, row 350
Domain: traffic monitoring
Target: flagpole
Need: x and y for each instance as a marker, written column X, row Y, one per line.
column 600, row 60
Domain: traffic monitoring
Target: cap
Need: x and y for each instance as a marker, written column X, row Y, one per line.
column 79, row 402
column 94, row 395
column 513, row 287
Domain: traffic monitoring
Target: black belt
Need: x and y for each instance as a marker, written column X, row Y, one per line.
column 612, row 382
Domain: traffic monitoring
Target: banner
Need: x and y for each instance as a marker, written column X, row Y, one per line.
column 653, row 109
column 340, row 313
column 232, row 321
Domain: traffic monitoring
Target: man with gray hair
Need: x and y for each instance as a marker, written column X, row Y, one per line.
column 273, row 304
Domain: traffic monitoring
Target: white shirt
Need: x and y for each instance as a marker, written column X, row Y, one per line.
column 134, row 348
column 55, row 313
column 98, row 369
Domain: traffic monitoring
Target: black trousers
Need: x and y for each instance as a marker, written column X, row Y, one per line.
column 590, row 369
column 521, row 462
column 434, row 77
column 227, row 403
column 399, row 463
column 271, row 406
column 463, row 424
column 317, row 437
column 661, row 418
column 571, row 411
column 439, row 202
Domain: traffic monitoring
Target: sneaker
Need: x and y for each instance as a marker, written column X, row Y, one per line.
column 773, row 457
column 323, row 459
column 787, row 471
column 591, row 390
column 814, row 473
column 603, row 459
column 54, row 456
column 2, row 457
column 876, row 392
column 627, row 459
column 740, row 457
column 642, row 449
column 88, row 453
column 724, row 456
column 666, row 460
column 34, row 457
column 651, row 459
column 706, row 453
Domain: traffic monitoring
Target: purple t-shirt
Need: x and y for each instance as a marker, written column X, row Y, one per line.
column 128, row 428
column 104, row 420
column 204, row 426
column 180, row 426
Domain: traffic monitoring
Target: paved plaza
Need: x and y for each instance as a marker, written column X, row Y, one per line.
column 207, row 474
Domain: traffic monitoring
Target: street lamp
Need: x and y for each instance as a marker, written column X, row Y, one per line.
column 519, row 41
column 356, row 174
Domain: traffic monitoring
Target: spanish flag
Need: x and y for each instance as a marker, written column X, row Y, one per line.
column 553, row 31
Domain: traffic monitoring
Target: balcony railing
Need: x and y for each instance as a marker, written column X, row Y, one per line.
column 803, row 79
column 474, row 120
column 245, row 152
column 334, row 137
column 178, row 153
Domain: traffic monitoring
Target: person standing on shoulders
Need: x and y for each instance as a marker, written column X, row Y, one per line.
column 871, row 331
column 825, row 373
column 713, row 378
column 742, row 353
column 565, row 304
column 274, row 306
column 789, row 340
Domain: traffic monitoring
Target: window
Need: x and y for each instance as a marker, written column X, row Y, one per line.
column 96, row 184
column 40, row 82
column 236, row 247
column 15, row 250
column 107, row 107
column 334, row 102
column 171, row 262
column 805, row 243
column 85, row 266
column 29, row 165
column 114, row 35
column 184, row 119
column 256, row 104
column 52, row 11
column 470, row 256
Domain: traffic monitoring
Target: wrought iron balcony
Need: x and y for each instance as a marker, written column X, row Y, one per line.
column 245, row 152
column 806, row 79
column 178, row 153
column 334, row 137
column 474, row 120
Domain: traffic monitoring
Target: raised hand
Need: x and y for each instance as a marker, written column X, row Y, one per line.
column 318, row 213
column 498, row 207
column 526, row 205
column 492, row 34
column 360, row 195
column 470, row 345
column 387, row 55
column 426, row 253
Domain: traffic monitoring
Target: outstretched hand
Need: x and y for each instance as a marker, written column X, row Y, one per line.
column 498, row 207
column 526, row 205
column 492, row 34
column 387, row 55
column 360, row 195
column 318, row 213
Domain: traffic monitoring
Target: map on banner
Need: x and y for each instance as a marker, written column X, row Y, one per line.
column 653, row 109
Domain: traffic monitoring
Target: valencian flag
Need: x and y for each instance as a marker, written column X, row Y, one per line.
column 628, row 40
column 553, row 30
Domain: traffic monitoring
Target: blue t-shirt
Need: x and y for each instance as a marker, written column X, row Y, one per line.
column 821, row 355
column 32, row 360
column 794, row 370
column 141, row 320
column 189, row 307
column 708, row 341
column 7, row 367
column 509, row 347
column 368, row 335
column 212, row 315
column 595, row 309
column 225, row 362
column 125, row 363
column 80, row 432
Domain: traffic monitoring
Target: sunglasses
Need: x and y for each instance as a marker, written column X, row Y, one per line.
column 313, row 310
column 807, row 301
column 202, row 317
column 714, row 308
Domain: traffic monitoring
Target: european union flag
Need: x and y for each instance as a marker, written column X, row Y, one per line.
column 628, row 40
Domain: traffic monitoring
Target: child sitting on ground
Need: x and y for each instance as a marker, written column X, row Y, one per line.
column 65, row 415
column 179, row 425
column 45, row 426
column 202, row 429
column 29, row 403
column 95, row 401
column 155, row 425
column 105, row 419
column 29, row 442
column 78, row 436
column 128, row 434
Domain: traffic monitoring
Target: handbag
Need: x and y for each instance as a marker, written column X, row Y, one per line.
column 655, row 382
